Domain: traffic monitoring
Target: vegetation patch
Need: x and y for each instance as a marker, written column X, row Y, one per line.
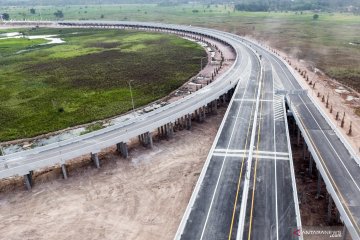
column 326, row 38
column 87, row 77
column 357, row 111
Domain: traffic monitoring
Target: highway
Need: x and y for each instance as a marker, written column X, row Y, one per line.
column 246, row 189
column 212, row 214
column 335, row 162
column 23, row 162
column 252, row 143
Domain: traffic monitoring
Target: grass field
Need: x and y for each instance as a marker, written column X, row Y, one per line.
column 51, row 87
column 325, row 42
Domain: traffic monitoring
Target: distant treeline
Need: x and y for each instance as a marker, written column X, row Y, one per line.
column 69, row 2
column 295, row 5
column 241, row 5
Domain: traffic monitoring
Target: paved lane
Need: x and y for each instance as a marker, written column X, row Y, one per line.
column 271, row 209
column 216, row 207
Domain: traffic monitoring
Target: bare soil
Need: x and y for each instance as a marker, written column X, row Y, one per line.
column 342, row 99
column 143, row 197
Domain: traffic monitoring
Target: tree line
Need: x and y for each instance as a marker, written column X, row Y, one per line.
column 295, row 5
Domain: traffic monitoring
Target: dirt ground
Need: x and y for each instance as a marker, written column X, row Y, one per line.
column 143, row 197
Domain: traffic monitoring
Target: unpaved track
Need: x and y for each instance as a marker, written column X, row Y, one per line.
column 141, row 198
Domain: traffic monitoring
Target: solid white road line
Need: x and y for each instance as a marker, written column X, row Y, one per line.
column 276, row 188
column 332, row 147
column 241, row 223
column 222, row 166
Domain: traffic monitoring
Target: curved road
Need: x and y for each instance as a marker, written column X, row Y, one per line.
column 254, row 102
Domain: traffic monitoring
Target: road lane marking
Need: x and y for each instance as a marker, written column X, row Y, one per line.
column 230, row 150
column 332, row 147
column 241, row 224
column 240, row 174
column 276, row 117
column 254, row 100
column 329, row 174
column 255, row 170
column 220, row 150
column 318, row 152
column 239, row 155
column 223, row 163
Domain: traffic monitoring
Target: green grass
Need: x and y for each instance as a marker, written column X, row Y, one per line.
column 52, row 87
column 92, row 128
column 325, row 42
column 12, row 46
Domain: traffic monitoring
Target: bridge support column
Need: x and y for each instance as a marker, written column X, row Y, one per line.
column 304, row 151
column 122, row 149
column 215, row 103
column 329, row 215
column 149, row 139
column 318, row 185
column 170, row 128
column 198, row 115
column 63, row 170
column 162, row 130
column 188, row 122
column 202, row 114
column 224, row 98
column 28, row 180
column 337, row 216
column 310, row 165
column 344, row 233
column 95, row 159
column 298, row 135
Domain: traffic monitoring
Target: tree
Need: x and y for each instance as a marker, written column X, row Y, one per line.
column 32, row 10
column 316, row 16
column 59, row 14
column 5, row 16
column 102, row 16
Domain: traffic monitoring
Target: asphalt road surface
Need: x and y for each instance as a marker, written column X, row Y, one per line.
column 246, row 189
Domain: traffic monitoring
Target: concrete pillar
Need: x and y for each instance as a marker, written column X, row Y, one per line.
column 298, row 136
column 183, row 123
column 197, row 115
column 162, row 131
column 304, row 151
column 337, row 216
column 329, row 209
column 64, row 172
column 166, row 131
column 224, row 98
column 122, row 149
column 95, row 158
column 215, row 102
column 310, row 165
column 318, row 184
column 170, row 130
column 344, row 233
column 150, row 140
column 188, row 125
column 28, row 180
